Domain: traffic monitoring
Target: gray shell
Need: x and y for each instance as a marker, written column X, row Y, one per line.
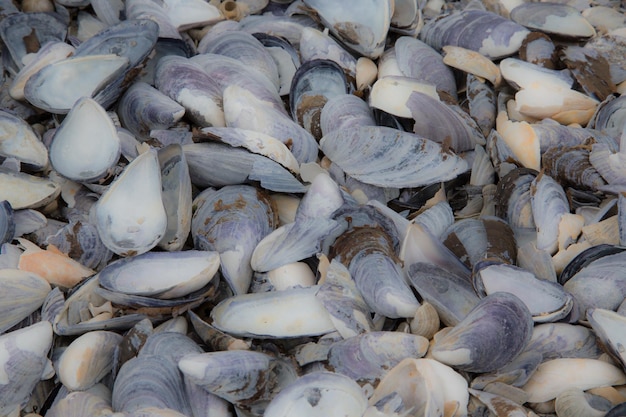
column 493, row 334
column 391, row 158
column 488, row 33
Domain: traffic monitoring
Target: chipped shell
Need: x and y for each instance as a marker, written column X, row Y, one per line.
column 53, row 265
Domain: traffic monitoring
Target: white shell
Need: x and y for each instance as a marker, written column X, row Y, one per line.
column 289, row 313
column 319, row 394
column 86, row 144
column 130, row 215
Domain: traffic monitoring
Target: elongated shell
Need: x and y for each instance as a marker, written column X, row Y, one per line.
column 288, row 313
column 18, row 140
column 161, row 274
column 237, row 376
column 409, row 160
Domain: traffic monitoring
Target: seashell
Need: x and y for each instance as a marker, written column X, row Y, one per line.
column 425, row 385
column 451, row 295
column 108, row 11
column 608, row 326
column 238, row 376
column 285, row 57
column 344, row 302
column 473, row 240
column 391, row 93
column 481, row 103
column 546, row 301
column 170, row 346
column 91, row 134
column 313, row 84
column 485, row 32
column 227, row 71
column 246, row 48
column 176, row 195
column 85, row 310
column 232, row 221
column 443, row 124
column 550, row 206
column 143, row 108
column 215, row 339
column 26, row 191
column 499, row 405
column 470, row 344
column 616, row 411
column 418, row 60
column 367, row 252
column 590, row 69
column 28, row 347
column 572, row 167
column 87, row 359
column 366, row 33
column 23, row 33
column 425, row 322
column 575, row 402
column 538, row 49
column 317, row 45
column 48, row 90
column 81, row 242
column 239, row 104
column 161, row 274
column 552, row 18
column 610, row 116
column 317, row 394
column 345, row 111
column 24, row 292
column 556, row 376
column 257, row 142
column 187, row 14
column 407, row 17
column 54, row 266
column 562, row 340
column 48, row 53
column 81, row 403
column 505, row 380
column 18, row 140
column 263, row 314
column 472, row 62
column 149, row 381
column 585, row 258
column 365, row 166
column 367, row 357
column 125, row 225
column 216, row 165
column 186, row 82
column 599, row 287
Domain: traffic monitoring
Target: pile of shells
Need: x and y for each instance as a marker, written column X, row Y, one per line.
column 312, row 208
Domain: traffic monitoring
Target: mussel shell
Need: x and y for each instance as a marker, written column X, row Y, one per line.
column 232, row 221
column 493, row 334
column 513, row 197
column 149, row 381
column 319, row 393
column 7, row 224
column 23, row 293
column 488, row 33
column 553, row 18
column 23, row 33
column 160, row 274
column 452, row 296
column 571, row 167
column 403, row 153
column 18, row 140
column 313, row 84
column 473, row 240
